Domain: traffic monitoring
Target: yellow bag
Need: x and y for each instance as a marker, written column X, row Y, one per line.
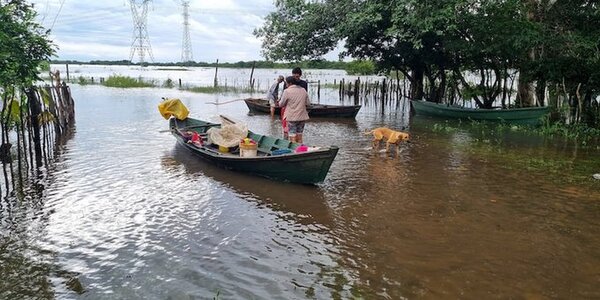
column 173, row 107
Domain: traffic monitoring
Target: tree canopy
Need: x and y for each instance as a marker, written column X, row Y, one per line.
column 446, row 44
column 24, row 44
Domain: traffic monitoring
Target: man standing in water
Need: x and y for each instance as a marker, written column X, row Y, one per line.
column 273, row 95
column 295, row 101
column 296, row 74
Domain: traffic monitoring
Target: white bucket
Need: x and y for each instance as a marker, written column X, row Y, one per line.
column 248, row 150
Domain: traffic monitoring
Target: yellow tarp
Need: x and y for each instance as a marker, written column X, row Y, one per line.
column 173, row 107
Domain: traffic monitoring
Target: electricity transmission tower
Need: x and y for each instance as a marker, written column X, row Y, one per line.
column 141, row 42
column 186, row 44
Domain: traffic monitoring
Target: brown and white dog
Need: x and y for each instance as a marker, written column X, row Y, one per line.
column 392, row 137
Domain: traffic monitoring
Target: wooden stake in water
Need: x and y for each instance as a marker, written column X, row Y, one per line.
column 216, row 71
column 252, row 74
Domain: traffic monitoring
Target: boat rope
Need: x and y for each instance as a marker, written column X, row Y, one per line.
column 230, row 101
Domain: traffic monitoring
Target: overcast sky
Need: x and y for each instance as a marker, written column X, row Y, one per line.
column 103, row 30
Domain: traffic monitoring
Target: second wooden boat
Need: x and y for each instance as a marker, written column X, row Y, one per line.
column 314, row 110
column 527, row 116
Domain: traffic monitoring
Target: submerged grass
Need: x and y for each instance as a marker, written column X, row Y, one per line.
column 564, row 154
column 120, row 81
column 172, row 69
column 126, row 82
column 580, row 134
column 330, row 85
column 83, row 81
column 557, row 167
column 220, row 89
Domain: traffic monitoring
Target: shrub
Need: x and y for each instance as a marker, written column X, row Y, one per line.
column 126, row 82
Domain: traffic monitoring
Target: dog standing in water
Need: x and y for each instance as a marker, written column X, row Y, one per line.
column 391, row 137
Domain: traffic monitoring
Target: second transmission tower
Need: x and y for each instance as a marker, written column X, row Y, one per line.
column 141, row 42
column 186, row 44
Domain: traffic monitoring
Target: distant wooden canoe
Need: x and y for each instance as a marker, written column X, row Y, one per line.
column 314, row 110
column 527, row 116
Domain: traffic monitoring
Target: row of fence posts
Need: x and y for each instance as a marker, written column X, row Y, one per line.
column 383, row 91
column 30, row 141
column 358, row 89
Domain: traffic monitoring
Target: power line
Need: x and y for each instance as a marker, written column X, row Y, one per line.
column 141, row 42
column 57, row 13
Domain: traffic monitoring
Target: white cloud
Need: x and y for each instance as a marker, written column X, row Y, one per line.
column 103, row 30
column 91, row 30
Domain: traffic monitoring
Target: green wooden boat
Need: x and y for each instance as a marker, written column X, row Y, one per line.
column 526, row 116
column 271, row 160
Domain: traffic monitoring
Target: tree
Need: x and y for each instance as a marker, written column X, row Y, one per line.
column 423, row 40
column 471, row 47
column 571, row 55
column 24, row 48
column 24, row 44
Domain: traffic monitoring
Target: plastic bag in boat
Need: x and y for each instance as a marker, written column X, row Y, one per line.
column 173, row 107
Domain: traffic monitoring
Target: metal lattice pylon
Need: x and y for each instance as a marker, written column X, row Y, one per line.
column 186, row 45
column 141, row 42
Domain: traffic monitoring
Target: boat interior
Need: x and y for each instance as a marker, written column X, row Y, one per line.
column 266, row 145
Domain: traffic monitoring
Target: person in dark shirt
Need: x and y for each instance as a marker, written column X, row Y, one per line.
column 297, row 73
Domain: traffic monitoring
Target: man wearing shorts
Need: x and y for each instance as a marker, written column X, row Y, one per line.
column 273, row 95
column 296, row 73
column 295, row 100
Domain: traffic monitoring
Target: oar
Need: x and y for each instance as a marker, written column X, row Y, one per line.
column 230, row 101
column 227, row 119
column 187, row 127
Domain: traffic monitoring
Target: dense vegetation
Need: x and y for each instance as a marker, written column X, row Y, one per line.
column 31, row 118
column 24, row 46
column 457, row 49
column 125, row 82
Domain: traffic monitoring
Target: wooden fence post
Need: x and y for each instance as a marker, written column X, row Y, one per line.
column 252, row 74
column 216, row 71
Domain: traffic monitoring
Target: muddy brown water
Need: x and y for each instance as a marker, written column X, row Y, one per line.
column 127, row 214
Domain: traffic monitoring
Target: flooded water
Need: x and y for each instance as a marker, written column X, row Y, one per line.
column 127, row 214
column 203, row 76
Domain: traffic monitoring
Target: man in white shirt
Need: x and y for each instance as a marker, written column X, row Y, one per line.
column 273, row 95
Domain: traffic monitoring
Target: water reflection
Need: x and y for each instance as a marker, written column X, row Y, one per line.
column 300, row 203
column 298, row 219
column 27, row 270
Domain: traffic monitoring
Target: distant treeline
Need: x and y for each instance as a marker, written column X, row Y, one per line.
column 353, row 67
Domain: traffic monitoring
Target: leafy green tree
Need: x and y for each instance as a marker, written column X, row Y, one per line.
column 24, row 50
column 360, row 67
column 24, row 45
column 570, row 59
column 479, row 45
column 299, row 29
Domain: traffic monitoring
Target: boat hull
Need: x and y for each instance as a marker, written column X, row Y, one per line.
column 526, row 116
column 306, row 167
column 314, row 110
